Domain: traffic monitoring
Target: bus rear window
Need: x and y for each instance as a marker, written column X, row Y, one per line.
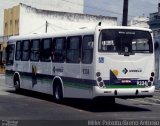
column 125, row 41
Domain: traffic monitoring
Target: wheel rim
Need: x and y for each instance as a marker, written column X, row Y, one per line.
column 16, row 85
column 58, row 92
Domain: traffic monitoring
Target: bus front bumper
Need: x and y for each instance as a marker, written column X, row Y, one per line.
column 123, row 93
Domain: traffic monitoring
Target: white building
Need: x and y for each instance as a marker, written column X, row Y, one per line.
column 75, row 6
column 24, row 19
column 140, row 21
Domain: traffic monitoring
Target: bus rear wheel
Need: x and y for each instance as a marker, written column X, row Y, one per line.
column 17, row 85
column 58, row 93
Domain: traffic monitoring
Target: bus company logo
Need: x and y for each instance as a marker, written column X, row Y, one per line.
column 125, row 71
column 60, row 70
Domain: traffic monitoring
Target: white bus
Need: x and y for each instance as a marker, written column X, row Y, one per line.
column 87, row 63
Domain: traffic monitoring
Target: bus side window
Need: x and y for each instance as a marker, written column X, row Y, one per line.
column 59, row 50
column 73, row 49
column 10, row 54
column 25, row 50
column 18, row 50
column 35, row 50
column 46, row 50
column 87, row 49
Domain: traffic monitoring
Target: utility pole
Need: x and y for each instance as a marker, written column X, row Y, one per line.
column 46, row 26
column 125, row 13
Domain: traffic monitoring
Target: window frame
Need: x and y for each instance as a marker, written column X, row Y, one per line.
column 42, row 49
column 19, row 41
column 31, row 44
column 62, row 50
column 82, row 56
column 79, row 49
column 27, row 50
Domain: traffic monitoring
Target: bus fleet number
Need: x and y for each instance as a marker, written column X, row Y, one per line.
column 142, row 83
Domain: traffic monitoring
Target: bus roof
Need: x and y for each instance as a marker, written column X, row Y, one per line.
column 125, row 27
column 54, row 34
column 74, row 32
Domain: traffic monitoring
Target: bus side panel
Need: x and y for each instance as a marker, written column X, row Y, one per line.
column 72, row 92
column 41, row 78
column 42, row 84
column 73, row 81
column 44, row 87
column 22, row 67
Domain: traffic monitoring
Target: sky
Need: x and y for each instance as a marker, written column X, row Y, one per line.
column 112, row 8
column 115, row 7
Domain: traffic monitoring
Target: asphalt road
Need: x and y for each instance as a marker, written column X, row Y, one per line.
column 41, row 109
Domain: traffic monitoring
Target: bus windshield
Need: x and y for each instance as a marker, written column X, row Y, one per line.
column 125, row 41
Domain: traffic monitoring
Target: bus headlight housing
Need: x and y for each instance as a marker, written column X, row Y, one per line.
column 100, row 82
column 149, row 84
column 151, row 79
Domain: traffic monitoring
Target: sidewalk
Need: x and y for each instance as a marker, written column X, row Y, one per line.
column 2, row 76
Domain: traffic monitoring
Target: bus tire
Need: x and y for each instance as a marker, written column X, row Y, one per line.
column 58, row 93
column 16, row 84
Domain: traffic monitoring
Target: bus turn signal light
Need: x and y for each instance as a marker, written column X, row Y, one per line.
column 152, row 74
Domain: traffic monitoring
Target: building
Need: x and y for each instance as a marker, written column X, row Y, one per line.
column 23, row 19
column 154, row 23
column 53, row 5
column 11, row 21
column 140, row 21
